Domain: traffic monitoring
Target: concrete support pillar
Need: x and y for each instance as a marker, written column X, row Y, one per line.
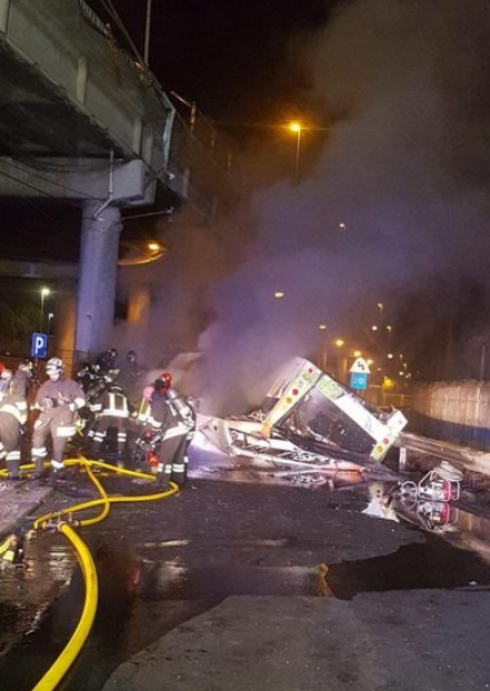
column 97, row 279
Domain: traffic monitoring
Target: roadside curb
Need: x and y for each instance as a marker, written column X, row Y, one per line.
column 16, row 504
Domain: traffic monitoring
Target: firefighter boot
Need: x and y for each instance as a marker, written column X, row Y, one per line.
column 163, row 477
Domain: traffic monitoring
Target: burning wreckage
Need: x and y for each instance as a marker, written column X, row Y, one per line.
column 309, row 426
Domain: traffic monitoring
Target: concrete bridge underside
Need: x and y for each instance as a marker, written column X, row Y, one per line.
column 82, row 121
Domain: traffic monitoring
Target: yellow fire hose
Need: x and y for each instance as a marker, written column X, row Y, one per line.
column 65, row 660
column 70, row 652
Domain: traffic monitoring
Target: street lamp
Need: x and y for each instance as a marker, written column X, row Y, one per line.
column 146, row 55
column 50, row 316
column 44, row 292
column 296, row 127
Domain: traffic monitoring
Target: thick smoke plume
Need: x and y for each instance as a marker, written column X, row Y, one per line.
column 405, row 170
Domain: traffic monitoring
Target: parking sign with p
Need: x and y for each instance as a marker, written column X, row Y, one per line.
column 39, row 345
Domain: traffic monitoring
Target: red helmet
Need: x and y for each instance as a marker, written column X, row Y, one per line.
column 166, row 378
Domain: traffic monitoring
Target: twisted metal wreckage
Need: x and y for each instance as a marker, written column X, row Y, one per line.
column 308, row 426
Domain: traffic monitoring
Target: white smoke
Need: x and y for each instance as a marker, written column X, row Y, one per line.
column 405, row 170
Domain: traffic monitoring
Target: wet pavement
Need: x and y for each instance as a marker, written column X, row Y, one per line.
column 241, row 585
column 18, row 500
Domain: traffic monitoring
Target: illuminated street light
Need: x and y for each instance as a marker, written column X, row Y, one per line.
column 374, row 327
column 390, row 356
column 279, row 294
column 322, row 327
column 342, row 226
column 297, row 128
column 339, row 343
column 147, row 254
column 44, row 293
column 380, row 306
column 50, row 316
column 357, row 353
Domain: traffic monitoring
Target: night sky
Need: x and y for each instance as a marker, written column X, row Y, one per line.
column 392, row 201
column 231, row 57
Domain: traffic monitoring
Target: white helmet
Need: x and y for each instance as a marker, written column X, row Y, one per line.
column 6, row 374
column 55, row 364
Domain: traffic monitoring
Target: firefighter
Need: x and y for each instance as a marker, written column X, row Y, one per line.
column 24, row 377
column 58, row 399
column 168, row 422
column 87, row 375
column 13, row 416
column 187, row 415
column 5, row 379
column 112, row 411
column 107, row 360
column 130, row 377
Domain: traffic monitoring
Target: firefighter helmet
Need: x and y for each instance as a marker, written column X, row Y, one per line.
column 166, row 378
column 55, row 364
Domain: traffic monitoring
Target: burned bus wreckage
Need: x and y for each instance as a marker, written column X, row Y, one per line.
column 308, row 426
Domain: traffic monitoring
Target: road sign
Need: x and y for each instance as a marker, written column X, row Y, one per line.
column 360, row 365
column 358, row 380
column 39, row 345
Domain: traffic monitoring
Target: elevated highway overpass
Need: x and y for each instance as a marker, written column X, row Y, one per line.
column 84, row 121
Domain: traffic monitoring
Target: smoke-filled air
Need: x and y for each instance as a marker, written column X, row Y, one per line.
column 394, row 201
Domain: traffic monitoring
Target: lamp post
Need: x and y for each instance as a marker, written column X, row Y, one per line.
column 296, row 128
column 50, row 316
column 146, row 55
column 44, row 293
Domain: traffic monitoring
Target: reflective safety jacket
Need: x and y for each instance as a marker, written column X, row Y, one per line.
column 112, row 403
column 183, row 408
column 59, row 402
column 166, row 417
column 14, row 401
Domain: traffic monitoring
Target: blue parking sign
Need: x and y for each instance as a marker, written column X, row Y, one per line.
column 358, row 380
column 39, row 345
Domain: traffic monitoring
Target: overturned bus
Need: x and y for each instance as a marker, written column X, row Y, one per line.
column 309, row 420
